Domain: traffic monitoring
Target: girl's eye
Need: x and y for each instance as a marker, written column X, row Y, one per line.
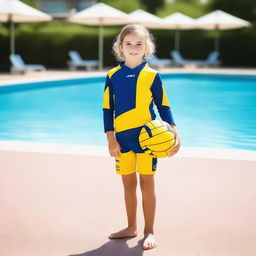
column 139, row 44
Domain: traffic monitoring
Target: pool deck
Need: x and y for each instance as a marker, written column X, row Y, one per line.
column 61, row 200
column 5, row 78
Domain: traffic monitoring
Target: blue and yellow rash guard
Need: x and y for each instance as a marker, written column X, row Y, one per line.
column 129, row 97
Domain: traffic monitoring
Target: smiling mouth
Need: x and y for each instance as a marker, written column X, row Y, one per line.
column 133, row 54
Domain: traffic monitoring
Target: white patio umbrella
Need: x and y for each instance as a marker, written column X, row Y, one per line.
column 15, row 11
column 100, row 14
column 179, row 21
column 147, row 19
column 219, row 20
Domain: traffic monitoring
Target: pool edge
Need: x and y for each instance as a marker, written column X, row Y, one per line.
column 93, row 150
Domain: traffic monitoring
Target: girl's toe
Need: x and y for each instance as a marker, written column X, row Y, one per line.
column 145, row 247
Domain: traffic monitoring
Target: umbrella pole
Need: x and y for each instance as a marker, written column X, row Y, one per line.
column 12, row 37
column 217, row 40
column 100, row 47
column 177, row 40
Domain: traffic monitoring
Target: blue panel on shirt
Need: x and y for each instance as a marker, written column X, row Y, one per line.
column 124, row 87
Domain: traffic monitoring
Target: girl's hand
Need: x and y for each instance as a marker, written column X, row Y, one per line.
column 177, row 143
column 176, row 147
column 114, row 147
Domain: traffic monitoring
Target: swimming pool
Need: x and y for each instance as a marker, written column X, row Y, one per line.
column 216, row 111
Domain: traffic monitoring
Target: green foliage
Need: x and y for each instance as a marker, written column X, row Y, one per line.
column 193, row 10
column 4, row 30
column 191, row 2
column 49, row 43
column 33, row 3
column 245, row 9
column 152, row 5
column 125, row 6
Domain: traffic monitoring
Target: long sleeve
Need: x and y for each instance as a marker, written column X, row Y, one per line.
column 108, row 106
column 161, row 100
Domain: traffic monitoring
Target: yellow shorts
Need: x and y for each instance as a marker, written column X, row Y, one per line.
column 130, row 162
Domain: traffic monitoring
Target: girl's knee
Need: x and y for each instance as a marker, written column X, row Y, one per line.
column 147, row 183
column 130, row 182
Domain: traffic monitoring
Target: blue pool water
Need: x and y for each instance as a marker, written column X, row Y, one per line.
column 216, row 111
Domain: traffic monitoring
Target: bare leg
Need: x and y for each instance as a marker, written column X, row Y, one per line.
column 149, row 206
column 130, row 184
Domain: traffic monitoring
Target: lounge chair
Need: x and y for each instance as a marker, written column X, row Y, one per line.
column 211, row 60
column 154, row 61
column 18, row 65
column 76, row 62
column 179, row 60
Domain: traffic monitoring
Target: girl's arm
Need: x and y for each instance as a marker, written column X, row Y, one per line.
column 163, row 106
column 108, row 116
column 161, row 100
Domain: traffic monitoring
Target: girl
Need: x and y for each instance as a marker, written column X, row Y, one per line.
column 130, row 91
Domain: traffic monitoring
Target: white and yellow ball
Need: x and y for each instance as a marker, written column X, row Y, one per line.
column 157, row 138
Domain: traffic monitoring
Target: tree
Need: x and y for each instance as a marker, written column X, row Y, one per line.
column 245, row 9
column 152, row 5
column 33, row 3
column 125, row 6
column 188, row 1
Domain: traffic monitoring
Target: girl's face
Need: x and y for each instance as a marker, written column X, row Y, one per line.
column 133, row 47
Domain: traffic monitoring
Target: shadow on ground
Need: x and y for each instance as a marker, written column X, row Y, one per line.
column 115, row 248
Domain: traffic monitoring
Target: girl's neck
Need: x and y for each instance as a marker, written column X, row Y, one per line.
column 132, row 64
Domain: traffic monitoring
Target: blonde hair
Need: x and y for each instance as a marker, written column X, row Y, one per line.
column 133, row 28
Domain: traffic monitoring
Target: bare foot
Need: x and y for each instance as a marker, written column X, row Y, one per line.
column 149, row 242
column 125, row 233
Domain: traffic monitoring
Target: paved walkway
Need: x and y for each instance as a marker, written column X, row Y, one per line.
column 50, row 74
column 60, row 204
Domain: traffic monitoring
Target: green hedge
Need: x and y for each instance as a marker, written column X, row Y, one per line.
column 49, row 44
column 237, row 47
